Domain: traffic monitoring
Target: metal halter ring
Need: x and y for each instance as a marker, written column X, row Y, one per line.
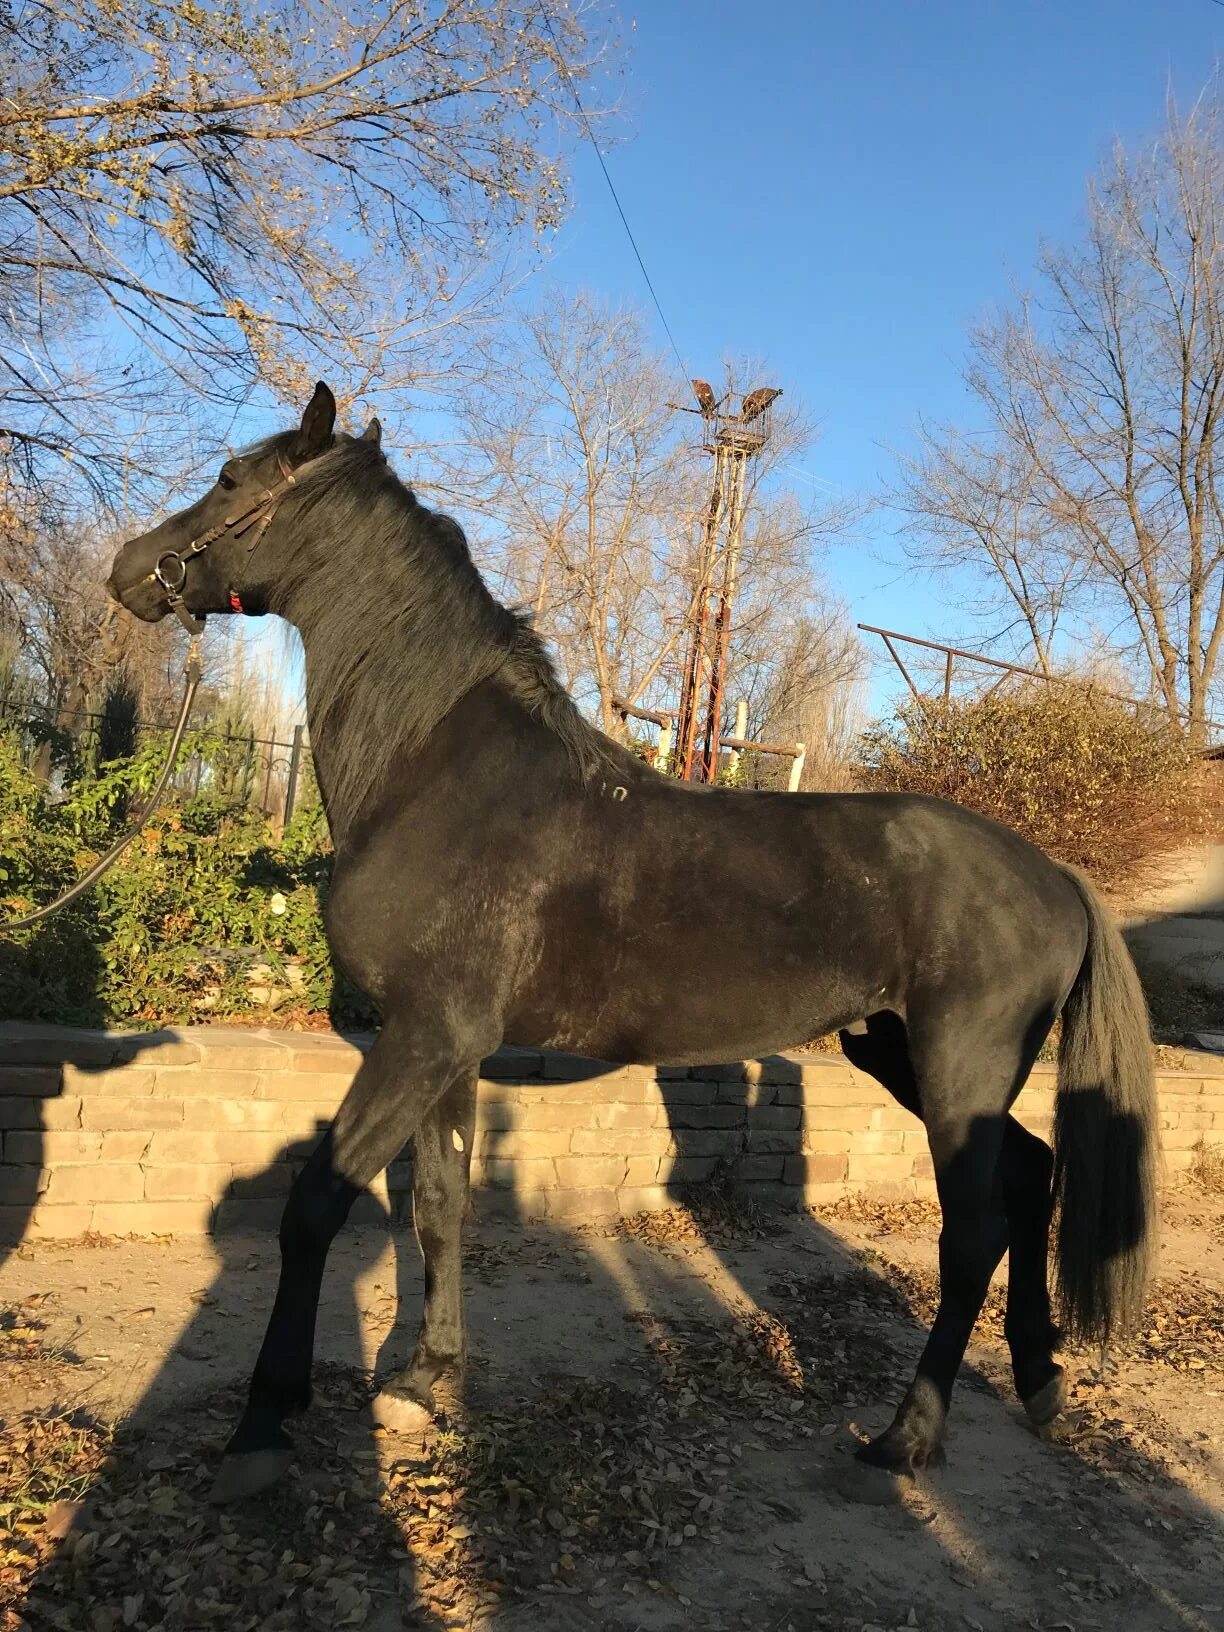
column 159, row 572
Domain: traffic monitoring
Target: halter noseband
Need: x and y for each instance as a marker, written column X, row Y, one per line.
column 258, row 516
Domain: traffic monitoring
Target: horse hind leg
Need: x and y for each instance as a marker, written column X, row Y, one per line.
column 1028, row 1168
column 442, row 1155
column 964, row 1098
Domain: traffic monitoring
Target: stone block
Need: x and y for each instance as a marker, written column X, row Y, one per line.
column 24, row 1042
column 706, row 1116
column 837, row 1118
column 591, row 1172
column 755, row 1169
column 185, row 1181
column 870, row 1169
column 46, row 1149
column 515, row 1145
column 709, row 1142
column 153, row 1218
column 21, row 1185
column 809, row 1170
column 644, row 1171
column 123, row 1115
column 616, row 1142
column 29, row 1081
column 774, row 1141
column 592, row 1202
column 93, row 1182
column 63, row 1223
column 204, row 1082
column 645, row 1198
column 688, row 1170
column 127, row 1082
column 18, row 1113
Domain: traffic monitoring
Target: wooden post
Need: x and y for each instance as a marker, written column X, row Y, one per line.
column 741, row 731
column 796, row 770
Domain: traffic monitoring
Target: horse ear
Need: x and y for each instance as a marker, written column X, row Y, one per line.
column 318, row 422
column 373, row 433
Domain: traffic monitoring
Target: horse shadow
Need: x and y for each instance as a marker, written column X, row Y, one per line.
column 320, row 1549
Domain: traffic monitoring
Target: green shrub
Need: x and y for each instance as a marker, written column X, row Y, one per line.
column 1081, row 775
column 173, row 931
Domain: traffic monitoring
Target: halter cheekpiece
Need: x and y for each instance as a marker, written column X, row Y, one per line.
column 171, row 569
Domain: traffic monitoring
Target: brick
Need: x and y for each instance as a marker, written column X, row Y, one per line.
column 66, row 1223
column 503, row 1174
column 517, row 1205
column 257, row 1215
column 699, row 1091
column 924, row 1167
column 182, row 1181
column 650, row 1114
column 516, row 1145
column 123, row 1147
column 643, row 1170
column 746, row 1093
column 892, row 1119
column 199, row 1082
column 33, row 1043
column 591, row 1172
column 495, row 1114
column 165, row 1047
column 843, row 1118
column 618, row 1142
column 45, row 1149
column 788, row 1093
column 875, row 1143
column 125, row 1114
column 243, row 1115
column 126, row 1083
column 153, row 1218
column 828, row 1141
column 706, row 1116
column 805, row 1170
column 57, row 1113
column 1174, row 1139
column 673, row 1073
column 775, row 1116
column 330, row 1062
column 20, row 1113
column 234, row 1048
column 258, row 1183
column 619, row 1090
column 771, row 1193
column 888, row 1189
column 867, row 1169
column 96, row 1183
column 577, row 1067
column 709, row 1142
column 777, row 1141
column 780, row 1071
column 29, row 1082
column 753, row 1169
column 21, row 1185
column 688, row 1169
column 317, row 1085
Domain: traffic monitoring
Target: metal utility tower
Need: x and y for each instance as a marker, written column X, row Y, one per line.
column 736, row 427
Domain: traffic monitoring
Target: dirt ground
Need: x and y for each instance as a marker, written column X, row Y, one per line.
column 656, row 1433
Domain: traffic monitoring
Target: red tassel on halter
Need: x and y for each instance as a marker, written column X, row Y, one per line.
column 235, row 602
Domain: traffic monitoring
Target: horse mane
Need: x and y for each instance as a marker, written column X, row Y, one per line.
column 400, row 623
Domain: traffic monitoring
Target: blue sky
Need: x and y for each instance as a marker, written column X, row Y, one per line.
column 842, row 189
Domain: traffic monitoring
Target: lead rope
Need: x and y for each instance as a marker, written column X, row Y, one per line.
column 193, row 673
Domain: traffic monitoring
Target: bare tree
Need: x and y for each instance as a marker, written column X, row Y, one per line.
column 593, row 490
column 215, row 198
column 1097, row 487
column 573, row 458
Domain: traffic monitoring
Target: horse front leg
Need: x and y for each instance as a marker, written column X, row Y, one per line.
column 406, row 1071
column 442, row 1155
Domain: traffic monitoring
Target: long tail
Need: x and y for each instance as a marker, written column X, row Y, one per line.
column 1104, row 1138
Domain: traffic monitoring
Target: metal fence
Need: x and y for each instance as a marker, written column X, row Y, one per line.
column 240, row 770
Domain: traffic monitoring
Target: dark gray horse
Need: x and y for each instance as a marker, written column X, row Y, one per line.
column 505, row 872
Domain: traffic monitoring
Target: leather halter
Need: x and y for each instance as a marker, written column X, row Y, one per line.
column 257, row 516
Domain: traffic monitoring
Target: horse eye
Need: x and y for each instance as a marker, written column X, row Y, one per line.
column 226, row 481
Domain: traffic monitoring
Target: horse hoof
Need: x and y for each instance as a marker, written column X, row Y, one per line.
column 893, row 1454
column 400, row 1413
column 246, row 1473
column 1048, row 1402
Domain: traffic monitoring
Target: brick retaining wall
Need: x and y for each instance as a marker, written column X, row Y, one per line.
column 193, row 1130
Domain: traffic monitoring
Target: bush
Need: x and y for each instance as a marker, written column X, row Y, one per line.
column 173, row 933
column 1082, row 776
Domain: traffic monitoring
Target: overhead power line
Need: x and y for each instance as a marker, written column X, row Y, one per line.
column 620, row 210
